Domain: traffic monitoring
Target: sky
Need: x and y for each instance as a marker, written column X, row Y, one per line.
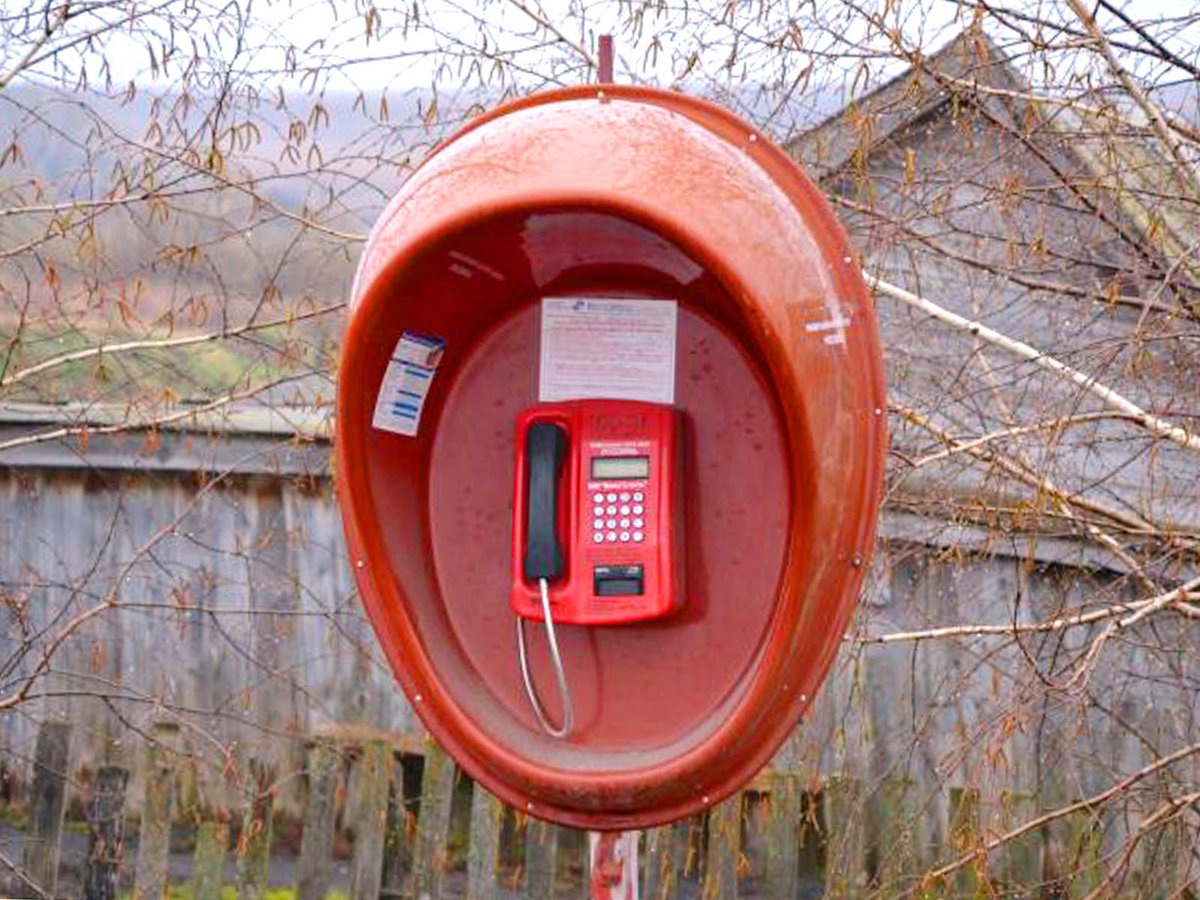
column 826, row 47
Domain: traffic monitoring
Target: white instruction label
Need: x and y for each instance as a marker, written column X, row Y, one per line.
column 406, row 382
column 608, row 347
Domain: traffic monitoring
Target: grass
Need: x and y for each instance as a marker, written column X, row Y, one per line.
column 205, row 370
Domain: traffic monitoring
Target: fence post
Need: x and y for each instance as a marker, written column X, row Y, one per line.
column 397, row 844
column 50, row 757
column 320, row 810
column 254, row 843
column 372, row 780
column 541, row 859
column 845, row 844
column 724, row 841
column 484, row 843
column 154, row 835
column 433, row 823
column 964, row 838
column 106, row 834
column 1020, row 860
column 785, row 819
column 666, row 858
column 895, row 834
column 208, row 871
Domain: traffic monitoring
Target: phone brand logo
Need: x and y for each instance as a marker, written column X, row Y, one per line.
column 621, row 424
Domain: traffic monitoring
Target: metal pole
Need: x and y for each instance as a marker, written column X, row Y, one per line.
column 614, row 865
column 606, row 59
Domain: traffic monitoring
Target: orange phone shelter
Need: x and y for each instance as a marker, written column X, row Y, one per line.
column 612, row 191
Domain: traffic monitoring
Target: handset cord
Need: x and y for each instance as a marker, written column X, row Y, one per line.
column 568, row 717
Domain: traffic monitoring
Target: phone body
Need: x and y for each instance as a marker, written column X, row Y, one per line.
column 598, row 511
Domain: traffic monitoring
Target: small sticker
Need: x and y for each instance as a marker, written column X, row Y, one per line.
column 614, row 347
column 406, row 383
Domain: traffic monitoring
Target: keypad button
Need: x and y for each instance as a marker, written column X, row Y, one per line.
column 612, row 510
column 624, row 523
column 624, row 537
column 597, row 510
column 598, row 537
column 624, row 510
column 612, row 523
column 597, row 498
column 638, row 497
column 638, row 523
column 612, row 498
column 638, row 537
column 611, row 536
column 638, row 509
column 597, row 523
column 624, row 498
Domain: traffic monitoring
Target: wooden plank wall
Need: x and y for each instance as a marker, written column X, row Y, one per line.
column 912, row 750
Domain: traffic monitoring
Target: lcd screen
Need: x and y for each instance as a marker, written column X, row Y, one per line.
column 618, row 468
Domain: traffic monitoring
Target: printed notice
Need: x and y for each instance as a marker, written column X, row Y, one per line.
column 406, row 382
column 609, row 347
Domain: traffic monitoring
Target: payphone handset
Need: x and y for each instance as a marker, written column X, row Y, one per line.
column 597, row 512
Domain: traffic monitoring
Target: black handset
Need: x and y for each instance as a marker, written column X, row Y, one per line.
column 545, row 451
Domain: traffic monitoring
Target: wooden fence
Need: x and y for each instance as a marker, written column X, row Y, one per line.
column 415, row 826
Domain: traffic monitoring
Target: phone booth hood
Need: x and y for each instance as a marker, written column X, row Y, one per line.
column 631, row 192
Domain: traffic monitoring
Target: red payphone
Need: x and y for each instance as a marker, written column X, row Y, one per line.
column 597, row 511
column 597, row 521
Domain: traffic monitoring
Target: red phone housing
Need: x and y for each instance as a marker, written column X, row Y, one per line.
column 620, row 516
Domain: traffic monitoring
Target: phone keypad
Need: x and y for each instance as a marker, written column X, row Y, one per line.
column 618, row 516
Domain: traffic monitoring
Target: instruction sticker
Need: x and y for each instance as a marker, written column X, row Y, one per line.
column 611, row 347
column 406, row 383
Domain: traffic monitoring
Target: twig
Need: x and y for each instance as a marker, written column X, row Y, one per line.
column 1157, row 122
column 64, row 13
column 1015, row 431
column 160, row 344
column 1087, row 803
column 189, row 412
column 1138, row 609
column 1107, row 395
column 552, row 29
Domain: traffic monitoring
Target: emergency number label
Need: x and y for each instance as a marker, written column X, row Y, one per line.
column 609, row 347
column 406, row 383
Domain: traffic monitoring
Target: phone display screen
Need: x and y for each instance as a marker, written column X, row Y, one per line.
column 620, row 468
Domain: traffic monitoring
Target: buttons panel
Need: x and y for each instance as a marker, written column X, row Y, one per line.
column 618, row 516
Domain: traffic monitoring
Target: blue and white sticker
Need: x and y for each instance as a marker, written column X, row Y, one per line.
column 406, row 383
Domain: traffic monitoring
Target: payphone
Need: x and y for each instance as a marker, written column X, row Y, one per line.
column 597, row 521
column 682, row 692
